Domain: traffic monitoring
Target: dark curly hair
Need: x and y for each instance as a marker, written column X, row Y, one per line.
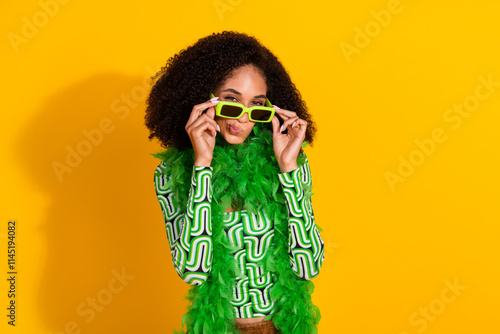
column 189, row 76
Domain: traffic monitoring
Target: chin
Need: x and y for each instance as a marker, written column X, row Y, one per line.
column 232, row 139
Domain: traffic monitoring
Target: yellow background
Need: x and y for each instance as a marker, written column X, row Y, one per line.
column 392, row 251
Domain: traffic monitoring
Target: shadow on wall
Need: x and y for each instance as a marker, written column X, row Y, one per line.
column 108, row 266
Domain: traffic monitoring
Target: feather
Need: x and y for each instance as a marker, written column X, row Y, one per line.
column 245, row 174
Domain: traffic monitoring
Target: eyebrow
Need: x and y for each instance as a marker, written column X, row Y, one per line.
column 238, row 93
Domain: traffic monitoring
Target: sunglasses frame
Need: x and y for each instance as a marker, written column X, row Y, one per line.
column 244, row 109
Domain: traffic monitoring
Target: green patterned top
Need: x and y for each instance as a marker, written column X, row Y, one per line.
column 189, row 234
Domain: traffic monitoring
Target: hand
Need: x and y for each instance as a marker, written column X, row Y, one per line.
column 202, row 130
column 287, row 146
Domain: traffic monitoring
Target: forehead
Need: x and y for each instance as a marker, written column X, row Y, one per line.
column 247, row 80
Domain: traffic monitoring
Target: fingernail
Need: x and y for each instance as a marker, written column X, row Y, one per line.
column 218, row 127
column 281, row 129
column 214, row 99
column 276, row 107
column 293, row 125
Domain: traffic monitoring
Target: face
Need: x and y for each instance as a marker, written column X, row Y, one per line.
column 245, row 86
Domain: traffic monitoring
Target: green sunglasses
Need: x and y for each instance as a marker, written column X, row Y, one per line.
column 234, row 110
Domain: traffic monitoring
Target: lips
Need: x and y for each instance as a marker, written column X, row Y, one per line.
column 234, row 129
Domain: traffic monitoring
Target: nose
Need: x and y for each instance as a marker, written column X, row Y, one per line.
column 244, row 118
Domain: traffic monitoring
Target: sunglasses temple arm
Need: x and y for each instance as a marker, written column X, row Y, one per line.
column 268, row 103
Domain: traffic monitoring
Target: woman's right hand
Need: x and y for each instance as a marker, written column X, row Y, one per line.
column 202, row 129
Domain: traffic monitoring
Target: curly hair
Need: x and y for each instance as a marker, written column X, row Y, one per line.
column 189, row 76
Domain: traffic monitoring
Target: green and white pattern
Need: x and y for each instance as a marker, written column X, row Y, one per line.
column 252, row 235
column 189, row 235
column 189, row 231
column 306, row 246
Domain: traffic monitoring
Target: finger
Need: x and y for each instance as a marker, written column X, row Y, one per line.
column 301, row 126
column 200, row 129
column 286, row 113
column 200, row 120
column 211, row 113
column 276, row 125
column 299, row 129
column 289, row 122
column 299, row 123
column 198, row 109
column 203, row 119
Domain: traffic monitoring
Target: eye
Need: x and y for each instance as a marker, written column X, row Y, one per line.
column 258, row 103
column 231, row 98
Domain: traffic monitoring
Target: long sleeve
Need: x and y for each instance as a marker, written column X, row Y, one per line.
column 189, row 229
column 306, row 248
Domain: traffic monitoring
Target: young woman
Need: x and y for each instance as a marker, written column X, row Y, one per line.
column 234, row 187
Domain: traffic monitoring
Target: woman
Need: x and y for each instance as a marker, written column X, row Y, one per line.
column 234, row 187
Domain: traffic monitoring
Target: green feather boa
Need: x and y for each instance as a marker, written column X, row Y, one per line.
column 245, row 176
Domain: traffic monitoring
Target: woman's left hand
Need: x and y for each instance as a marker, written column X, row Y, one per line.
column 287, row 146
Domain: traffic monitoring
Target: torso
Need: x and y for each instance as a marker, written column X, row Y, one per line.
column 245, row 320
column 252, row 235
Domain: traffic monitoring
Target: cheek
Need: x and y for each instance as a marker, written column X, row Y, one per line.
column 250, row 126
column 220, row 121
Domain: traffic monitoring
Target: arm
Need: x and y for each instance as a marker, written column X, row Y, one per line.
column 306, row 248
column 189, row 229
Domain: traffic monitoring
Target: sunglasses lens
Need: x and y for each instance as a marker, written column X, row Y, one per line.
column 261, row 115
column 230, row 111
